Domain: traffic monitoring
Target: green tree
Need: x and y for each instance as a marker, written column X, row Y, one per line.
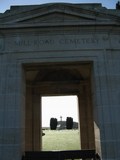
column 53, row 123
column 69, row 123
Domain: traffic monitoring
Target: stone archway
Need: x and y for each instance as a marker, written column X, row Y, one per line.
column 58, row 79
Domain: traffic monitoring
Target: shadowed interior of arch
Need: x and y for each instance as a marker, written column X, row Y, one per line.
column 58, row 79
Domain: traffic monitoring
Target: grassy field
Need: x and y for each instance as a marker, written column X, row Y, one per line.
column 61, row 140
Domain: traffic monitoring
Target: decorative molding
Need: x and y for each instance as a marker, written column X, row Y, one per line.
column 58, row 13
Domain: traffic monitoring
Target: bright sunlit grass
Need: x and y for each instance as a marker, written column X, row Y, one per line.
column 61, row 140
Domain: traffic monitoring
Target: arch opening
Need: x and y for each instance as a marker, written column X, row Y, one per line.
column 43, row 80
column 62, row 109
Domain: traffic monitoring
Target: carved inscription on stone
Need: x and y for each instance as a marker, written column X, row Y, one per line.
column 79, row 41
column 34, row 42
column 62, row 41
column 55, row 42
column 58, row 42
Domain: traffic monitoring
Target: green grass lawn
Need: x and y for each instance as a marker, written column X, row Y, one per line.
column 61, row 140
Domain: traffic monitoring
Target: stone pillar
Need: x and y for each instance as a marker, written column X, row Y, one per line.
column 86, row 119
column 11, row 109
column 33, row 129
column 36, row 122
column 29, row 120
column 107, row 104
column 90, row 118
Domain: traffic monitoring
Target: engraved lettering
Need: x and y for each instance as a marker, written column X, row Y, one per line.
column 89, row 40
column 78, row 41
column 43, row 42
column 69, row 41
column 23, row 43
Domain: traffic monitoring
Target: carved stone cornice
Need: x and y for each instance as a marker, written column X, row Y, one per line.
column 58, row 14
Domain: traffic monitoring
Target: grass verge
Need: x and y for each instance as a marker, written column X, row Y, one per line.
column 61, row 140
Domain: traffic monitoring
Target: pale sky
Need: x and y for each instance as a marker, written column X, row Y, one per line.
column 5, row 4
column 57, row 106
